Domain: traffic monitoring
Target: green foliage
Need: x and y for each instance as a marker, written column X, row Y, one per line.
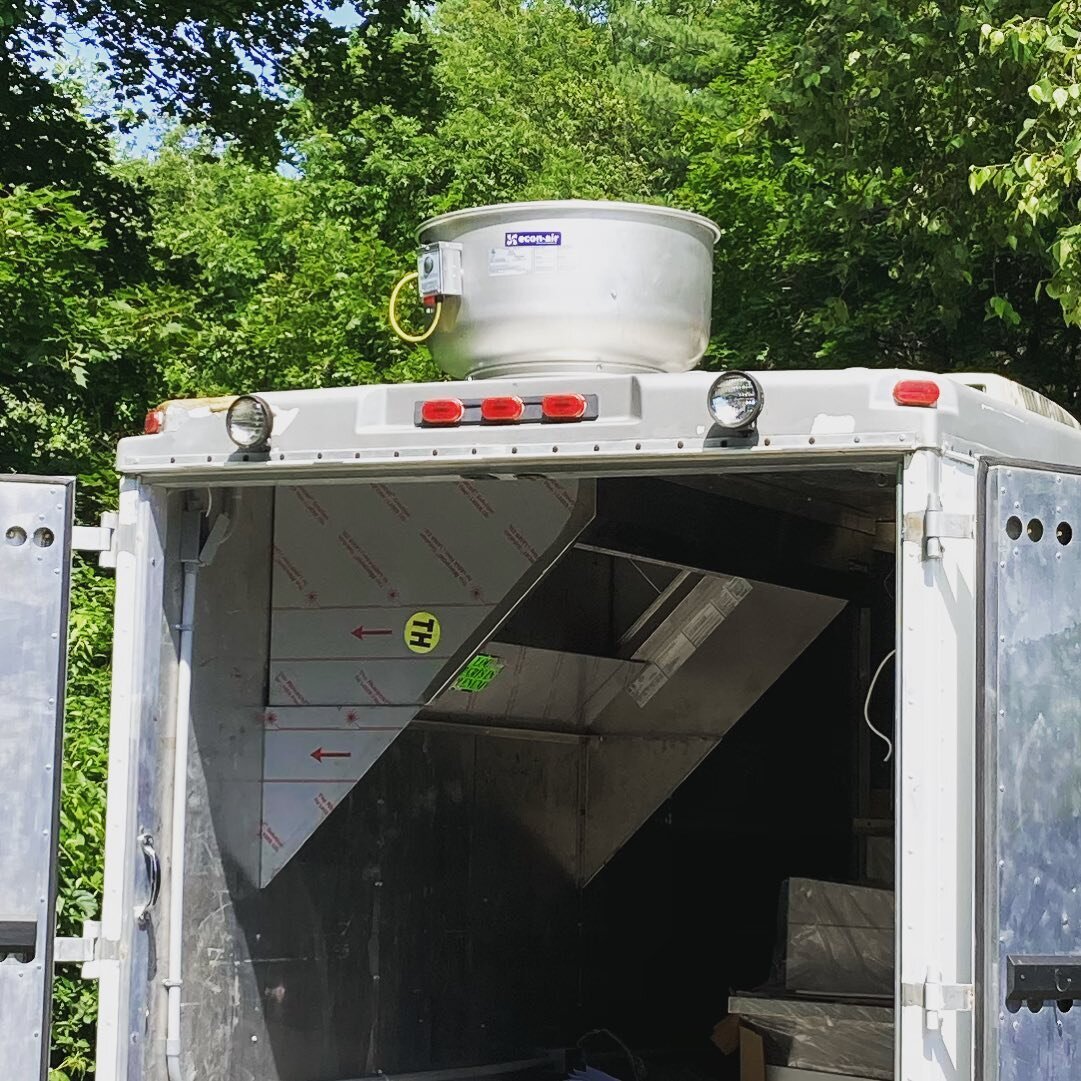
column 46, row 269
column 844, row 183
column 496, row 101
column 261, row 283
column 46, row 141
column 1037, row 178
column 64, row 386
column 214, row 63
column 82, row 821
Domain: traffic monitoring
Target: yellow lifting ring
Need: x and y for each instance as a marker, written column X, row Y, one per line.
column 392, row 313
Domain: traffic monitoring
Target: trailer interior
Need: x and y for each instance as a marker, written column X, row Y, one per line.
column 568, row 865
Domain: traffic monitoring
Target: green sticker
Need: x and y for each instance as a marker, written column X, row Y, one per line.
column 478, row 673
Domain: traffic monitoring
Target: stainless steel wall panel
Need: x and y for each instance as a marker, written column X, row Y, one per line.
column 379, row 593
column 1031, row 785
column 224, row 1026
column 35, row 560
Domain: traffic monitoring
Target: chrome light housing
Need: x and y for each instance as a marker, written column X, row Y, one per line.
column 735, row 400
column 249, row 422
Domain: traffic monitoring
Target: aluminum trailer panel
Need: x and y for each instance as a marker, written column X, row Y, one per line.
column 644, row 422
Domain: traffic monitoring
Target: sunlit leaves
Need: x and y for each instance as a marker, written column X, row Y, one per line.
column 82, row 820
column 215, row 62
column 1039, row 182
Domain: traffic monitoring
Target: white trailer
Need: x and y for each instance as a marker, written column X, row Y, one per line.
column 453, row 721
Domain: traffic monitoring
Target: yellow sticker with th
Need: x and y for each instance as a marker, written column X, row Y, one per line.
column 422, row 632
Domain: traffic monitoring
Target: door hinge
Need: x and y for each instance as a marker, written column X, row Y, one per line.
column 930, row 527
column 100, row 538
column 80, row 951
column 936, row 998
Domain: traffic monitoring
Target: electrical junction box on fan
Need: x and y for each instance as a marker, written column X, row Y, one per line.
column 439, row 267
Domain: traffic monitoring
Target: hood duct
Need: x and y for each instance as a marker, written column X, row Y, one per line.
column 708, row 652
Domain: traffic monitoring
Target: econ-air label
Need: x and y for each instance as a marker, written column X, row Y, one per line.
column 533, row 238
column 422, row 632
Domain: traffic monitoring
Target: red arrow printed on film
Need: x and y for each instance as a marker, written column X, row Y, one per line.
column 364, row 632
column 319, row 754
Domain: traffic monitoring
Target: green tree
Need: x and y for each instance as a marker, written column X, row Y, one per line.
column 63, row 387
column 214, row 63
column 497, row 101
column 261, row 283
column 82, row 819
column 1038, row 177
column 851, row 234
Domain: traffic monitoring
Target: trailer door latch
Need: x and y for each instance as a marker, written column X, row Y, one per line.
column 935, row 998
column 1037, row 981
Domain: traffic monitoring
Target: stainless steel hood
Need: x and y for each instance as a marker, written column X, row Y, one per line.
column 643, row 723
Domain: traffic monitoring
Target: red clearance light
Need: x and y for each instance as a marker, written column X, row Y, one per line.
column 502, row 409
column 923, row 392
column 442, row 411
column 563, row 406
column 155, row 422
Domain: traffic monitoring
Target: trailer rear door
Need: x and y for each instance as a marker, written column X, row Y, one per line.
column 35, row 561
column 1029, row 791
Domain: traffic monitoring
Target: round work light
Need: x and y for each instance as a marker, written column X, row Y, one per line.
column 735, row 400
column 249, row 422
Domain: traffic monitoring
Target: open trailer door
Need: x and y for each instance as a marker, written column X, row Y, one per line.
column 1029, row 793
column 35, row 561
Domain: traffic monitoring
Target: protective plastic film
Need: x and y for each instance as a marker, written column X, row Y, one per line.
column 379, row 593
column 838, row 1038
column 839, row 938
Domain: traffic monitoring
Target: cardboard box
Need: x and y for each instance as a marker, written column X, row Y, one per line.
column 730, row 1035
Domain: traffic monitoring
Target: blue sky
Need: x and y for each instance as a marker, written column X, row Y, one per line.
column 144, row 140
